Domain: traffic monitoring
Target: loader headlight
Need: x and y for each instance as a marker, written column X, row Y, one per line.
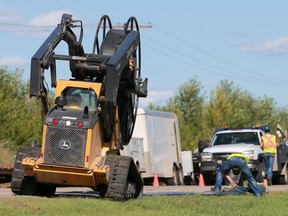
column 68, row 123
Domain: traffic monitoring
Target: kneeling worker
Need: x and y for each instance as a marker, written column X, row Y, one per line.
column 240, row 162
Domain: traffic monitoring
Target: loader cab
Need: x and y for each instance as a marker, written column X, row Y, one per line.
column 76, row 95
column 79, row 98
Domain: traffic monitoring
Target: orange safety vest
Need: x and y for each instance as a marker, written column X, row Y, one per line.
column 270, row 145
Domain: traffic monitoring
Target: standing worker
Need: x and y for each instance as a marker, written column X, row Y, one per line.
column 269, row 144
column 240, row 162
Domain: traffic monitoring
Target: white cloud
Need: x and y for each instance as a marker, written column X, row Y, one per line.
column 38, row 27
column 14, row 61
column 277, row 46
column 7, row 15
column 156, row 97
column 47, row 19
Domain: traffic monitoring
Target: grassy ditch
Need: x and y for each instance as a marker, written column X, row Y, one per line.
column 275, row 203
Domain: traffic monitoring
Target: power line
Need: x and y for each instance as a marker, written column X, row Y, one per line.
column 24, row 25
column 255, row 81
column 231, row 74
column 118, row 25
column 204, row 63
column 216, row 57
column 246, row 78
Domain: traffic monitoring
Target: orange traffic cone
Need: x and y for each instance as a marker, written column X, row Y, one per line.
column 201, row 180
column 156, row 182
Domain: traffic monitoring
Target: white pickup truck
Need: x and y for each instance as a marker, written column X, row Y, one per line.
column 246, row 141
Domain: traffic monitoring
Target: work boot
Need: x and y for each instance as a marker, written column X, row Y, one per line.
column 269, row 180
column 215, row 189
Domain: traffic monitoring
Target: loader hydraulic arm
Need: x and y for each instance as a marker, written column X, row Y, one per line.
column 42, row 59
column 112, row 66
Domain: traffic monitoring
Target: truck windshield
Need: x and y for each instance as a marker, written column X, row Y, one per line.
column 236, row 138
column 78, row 98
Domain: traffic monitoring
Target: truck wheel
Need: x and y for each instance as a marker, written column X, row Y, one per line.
column 208, row 180
column 258, row 175
column 284, row 178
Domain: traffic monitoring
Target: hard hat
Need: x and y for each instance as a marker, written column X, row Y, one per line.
column 267, row 128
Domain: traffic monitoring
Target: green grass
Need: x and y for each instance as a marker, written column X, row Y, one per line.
column 275, row 203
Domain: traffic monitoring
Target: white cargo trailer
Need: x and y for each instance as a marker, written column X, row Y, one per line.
column 155, row 147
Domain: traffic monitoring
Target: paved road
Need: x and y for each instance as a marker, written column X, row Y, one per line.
column 5, row 192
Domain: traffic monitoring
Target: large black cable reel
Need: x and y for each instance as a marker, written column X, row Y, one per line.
column 125, row 181
column 127, row 101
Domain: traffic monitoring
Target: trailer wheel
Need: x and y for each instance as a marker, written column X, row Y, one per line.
column 175, row 179
column 181, row 176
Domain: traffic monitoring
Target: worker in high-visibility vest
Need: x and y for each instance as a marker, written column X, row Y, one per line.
column 269, row 144
column 240, row 162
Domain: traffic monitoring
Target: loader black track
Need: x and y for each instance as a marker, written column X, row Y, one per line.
column 17, row 179
column 125, row 181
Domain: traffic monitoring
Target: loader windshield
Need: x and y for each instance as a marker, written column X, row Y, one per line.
column 78, row 98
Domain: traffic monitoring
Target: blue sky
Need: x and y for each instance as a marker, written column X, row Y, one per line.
column 243, row 41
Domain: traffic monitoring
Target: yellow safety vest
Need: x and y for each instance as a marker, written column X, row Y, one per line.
column 269, row 143
column 239, row 155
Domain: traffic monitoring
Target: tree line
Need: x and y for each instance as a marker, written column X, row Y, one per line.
column 199, row 115
column 227, row 104
column 20, row 116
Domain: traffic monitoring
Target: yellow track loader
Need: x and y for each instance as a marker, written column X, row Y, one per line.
column 93, row 116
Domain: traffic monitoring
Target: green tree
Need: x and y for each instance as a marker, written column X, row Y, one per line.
column 187, row 104
column 227, row 104
column 19, row 115
column 231, row 105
